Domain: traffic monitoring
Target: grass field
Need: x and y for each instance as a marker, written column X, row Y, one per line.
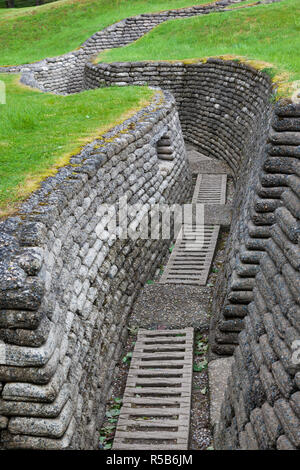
column 33, row 33
column 269, row 33
column 39, row 131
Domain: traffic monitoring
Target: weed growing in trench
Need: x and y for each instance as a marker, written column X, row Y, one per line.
column 171, row 248
column 201, row 348
column 108, row 430
column 127, row 358
column 200, row 366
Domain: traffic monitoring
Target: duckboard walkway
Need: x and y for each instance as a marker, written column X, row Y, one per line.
column 156, row 405
column 192, row 255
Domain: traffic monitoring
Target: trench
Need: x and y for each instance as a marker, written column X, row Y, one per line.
column 165, row 306
column 226, row 114
column 220, row 138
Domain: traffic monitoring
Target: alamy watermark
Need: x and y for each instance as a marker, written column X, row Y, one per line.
column 156, row 221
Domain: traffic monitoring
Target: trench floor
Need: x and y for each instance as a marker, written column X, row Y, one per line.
column 167, row 306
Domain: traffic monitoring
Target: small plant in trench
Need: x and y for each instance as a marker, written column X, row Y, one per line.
column 201, row 348
column 269, row 71
column 200, row 366
column 171, row 248
column 107, row 432
column 132, row 330
column 127, row 358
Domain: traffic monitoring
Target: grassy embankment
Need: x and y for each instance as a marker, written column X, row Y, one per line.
column 33, row 33
column 40, row 131
column 268, row 36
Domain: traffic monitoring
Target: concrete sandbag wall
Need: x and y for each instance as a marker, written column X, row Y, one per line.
column 262, row 402
column 66, row 288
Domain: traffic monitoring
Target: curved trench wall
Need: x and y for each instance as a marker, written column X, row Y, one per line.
column 262, row 401
column 218, row 101
column 225, row 110
column 66, row 289
column 65, row 74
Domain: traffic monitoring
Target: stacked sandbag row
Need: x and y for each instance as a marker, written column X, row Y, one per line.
column 67, row 283
column 262, row 401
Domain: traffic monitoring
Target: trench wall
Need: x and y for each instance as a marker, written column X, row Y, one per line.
column 67, row 287
column 261, row 409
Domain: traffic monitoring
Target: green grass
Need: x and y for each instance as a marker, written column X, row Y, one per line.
column 269, row 33
column 33, row 33
column 40, row 131
column 23, row 3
